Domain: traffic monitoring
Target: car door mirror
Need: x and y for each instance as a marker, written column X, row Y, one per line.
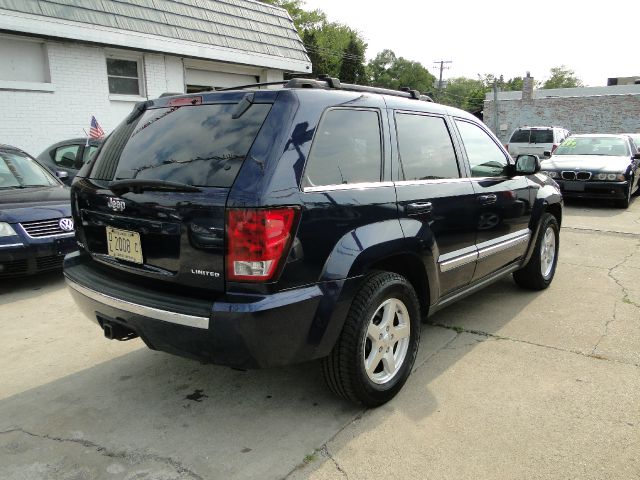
column 546, row 154
column 636, row 156
column 527, row 164
column 62, row 175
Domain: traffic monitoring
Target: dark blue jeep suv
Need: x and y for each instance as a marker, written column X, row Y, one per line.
column 262, row 227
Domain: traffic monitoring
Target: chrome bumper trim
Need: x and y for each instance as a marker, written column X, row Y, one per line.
column 155, row 313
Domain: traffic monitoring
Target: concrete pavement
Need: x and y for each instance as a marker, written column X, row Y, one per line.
column 508, row 384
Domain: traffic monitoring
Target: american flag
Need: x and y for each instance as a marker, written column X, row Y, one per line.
column 95, row 131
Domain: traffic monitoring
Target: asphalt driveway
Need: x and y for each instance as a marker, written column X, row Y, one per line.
column 508, row 384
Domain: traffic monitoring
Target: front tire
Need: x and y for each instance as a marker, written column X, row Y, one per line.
column 541, row 268
column 624, row 203
column 375, row 352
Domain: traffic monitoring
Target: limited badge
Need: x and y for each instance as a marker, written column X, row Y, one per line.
column 66, row 224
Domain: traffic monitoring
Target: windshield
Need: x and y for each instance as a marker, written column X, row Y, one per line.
column 201, row 145
column 593, row 146
column 19, row 171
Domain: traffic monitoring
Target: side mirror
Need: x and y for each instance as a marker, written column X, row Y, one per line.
column 546, row 154
column 527, row 164
column 636, row 156
column 62, row 175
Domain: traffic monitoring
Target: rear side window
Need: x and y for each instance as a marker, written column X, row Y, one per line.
column 425, row 147
column 199, row 145
column 346, row 149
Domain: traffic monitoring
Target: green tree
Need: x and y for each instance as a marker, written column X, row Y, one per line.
column 352, row 69
column 326, row 42
column 562, row 77
column 302, row 19
column 465, row 93
column 387, row 70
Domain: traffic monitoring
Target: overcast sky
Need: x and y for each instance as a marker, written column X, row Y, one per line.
column 596, row 39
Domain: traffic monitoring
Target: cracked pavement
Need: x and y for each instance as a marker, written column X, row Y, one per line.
column 507, row 384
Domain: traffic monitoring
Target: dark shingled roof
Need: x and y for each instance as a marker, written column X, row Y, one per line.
column 244, row 25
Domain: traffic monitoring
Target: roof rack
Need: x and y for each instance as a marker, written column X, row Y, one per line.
column 331, row 83
column 327, row 82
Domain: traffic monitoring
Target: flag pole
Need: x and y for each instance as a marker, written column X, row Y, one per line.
column 87, row 142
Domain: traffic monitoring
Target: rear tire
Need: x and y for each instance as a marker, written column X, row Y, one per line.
column 538, row 273
column 375, row 352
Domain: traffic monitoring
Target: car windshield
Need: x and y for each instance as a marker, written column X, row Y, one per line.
column 19, row 171
column 593, row 146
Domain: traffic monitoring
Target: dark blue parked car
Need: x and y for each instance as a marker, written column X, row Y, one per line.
column 256, row 228
column 36, row 228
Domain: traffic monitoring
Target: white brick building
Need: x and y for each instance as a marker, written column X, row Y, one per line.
column 62, row 61
column 612, row 109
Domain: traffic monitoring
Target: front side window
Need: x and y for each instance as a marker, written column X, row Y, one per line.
column 346, row 149
column 485, row 157
column 124, row 76
column 426, row 150
column 66, row 156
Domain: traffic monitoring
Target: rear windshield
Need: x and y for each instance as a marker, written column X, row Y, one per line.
column 199, row 145
column 532, row 136
column 593, row 146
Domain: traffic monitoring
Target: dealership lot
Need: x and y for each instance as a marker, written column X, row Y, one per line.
column 507, row 384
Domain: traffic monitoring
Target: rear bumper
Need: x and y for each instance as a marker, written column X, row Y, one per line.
column 242, row 331
column 604, row 190
column 18, row 259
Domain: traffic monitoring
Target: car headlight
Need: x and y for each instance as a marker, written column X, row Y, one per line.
column 611, row 177
column 551, row 173
column 6, row 230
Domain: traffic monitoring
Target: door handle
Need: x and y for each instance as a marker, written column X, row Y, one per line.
column 419, row 207
column 487, row 199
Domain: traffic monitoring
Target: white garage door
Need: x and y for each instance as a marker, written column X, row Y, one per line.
column 200, row 79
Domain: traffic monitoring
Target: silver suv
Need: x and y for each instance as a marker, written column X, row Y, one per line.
column 535, row 140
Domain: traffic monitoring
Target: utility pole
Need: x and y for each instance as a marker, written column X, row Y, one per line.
column 496, row 128
column 442, row 67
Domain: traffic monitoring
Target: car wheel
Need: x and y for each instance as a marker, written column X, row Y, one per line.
column 624, row 203
column 539, row 271
column 375, row 352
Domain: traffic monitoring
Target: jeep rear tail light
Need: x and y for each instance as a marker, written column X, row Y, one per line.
column 257, row 241
column 553, row 147
column 506, row 145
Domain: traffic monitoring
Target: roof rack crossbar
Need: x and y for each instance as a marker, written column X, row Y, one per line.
column 252, row 85
column 325, row 81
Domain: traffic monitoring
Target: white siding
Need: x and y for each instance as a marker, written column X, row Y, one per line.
column 33, row 120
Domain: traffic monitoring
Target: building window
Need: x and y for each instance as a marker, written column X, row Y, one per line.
column 23, row 61
column 125, row 76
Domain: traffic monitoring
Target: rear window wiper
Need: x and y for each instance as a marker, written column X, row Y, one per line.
column 139, row 185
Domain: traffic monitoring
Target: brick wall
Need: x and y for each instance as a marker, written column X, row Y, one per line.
column 587, row 114
column 34, row 120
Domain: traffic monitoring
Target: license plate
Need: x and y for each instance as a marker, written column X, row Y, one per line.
column 574, row 186
column 124, row 245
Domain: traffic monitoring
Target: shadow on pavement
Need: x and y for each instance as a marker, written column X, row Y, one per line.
column 148, row 410
column 26, row 287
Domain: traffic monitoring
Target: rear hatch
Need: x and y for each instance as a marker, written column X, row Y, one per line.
column 531, row 141
column 153, row 204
